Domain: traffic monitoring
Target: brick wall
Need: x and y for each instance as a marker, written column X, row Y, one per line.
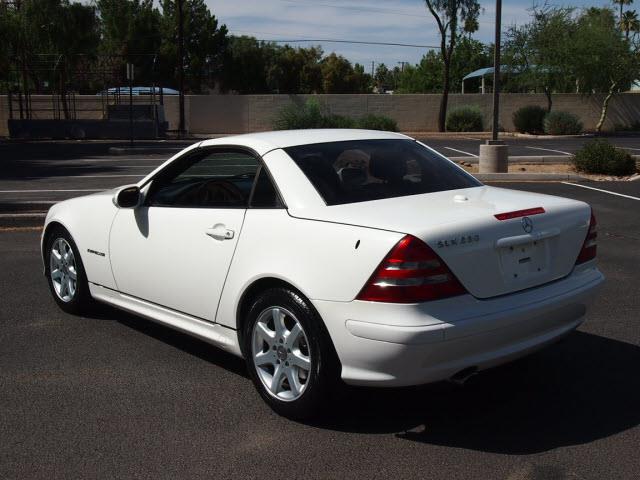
column 207, row 114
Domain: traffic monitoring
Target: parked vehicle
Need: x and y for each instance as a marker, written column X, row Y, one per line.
column 325, row 254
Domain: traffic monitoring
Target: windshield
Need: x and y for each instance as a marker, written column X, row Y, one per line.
column 363, row 170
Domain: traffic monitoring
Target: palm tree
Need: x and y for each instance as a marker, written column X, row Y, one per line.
column 621, row 3
column 629, row 22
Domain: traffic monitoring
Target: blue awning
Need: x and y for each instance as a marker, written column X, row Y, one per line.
column 479, row 73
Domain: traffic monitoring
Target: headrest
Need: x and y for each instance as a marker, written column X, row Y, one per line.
column 386, row 167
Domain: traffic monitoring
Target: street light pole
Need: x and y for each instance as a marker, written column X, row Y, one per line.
column 494, row 155
column 496, row 72
column 181, row 127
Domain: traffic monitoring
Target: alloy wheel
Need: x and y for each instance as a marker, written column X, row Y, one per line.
column 63, row 270
column 281, row 354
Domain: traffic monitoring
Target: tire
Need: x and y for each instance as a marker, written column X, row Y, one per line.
column 72, row 300
column 313, row 386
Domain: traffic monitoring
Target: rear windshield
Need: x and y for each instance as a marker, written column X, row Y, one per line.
column 363, row 170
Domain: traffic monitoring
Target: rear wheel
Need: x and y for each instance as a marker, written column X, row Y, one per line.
column 65, row 273
column 289, row 354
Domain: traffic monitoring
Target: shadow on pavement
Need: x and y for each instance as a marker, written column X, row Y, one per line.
column 181, row 341
column 582, row 389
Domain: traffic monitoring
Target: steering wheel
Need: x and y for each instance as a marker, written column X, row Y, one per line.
column 218, row 192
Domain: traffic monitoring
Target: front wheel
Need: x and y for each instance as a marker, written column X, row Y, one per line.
column 289, row 354
column 65, row 273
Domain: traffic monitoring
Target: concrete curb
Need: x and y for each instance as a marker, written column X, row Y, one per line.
column 26, row 206
column 537, row 159
column 16, row 220
column 527, row 177
column 155, row 150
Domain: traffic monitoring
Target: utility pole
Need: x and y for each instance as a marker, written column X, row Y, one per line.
column 130, row 74
column 181, row 126
column 494, row 155
column 496, row 72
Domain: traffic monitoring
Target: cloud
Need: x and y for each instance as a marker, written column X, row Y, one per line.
column 395, row 21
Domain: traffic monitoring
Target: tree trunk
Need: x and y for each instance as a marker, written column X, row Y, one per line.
column 63, row 96
column 547, row 92
column 605, row 106
column 442, row 117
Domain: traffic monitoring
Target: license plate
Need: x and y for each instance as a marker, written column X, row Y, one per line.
column 523, row 261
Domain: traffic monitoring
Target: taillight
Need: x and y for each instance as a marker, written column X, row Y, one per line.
column 590, row 246
column 411, row 273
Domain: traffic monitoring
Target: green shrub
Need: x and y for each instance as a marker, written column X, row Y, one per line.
column 309, row 115
column 529, row 119
column 377, row 122
column 294, row 116
column 464, row 119
column 337, row 121
column 599, row 156
column 312, row 115
column 562, row 123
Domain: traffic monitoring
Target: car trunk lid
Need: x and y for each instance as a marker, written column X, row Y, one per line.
column 489, row 256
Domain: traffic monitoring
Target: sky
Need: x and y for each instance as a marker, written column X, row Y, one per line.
column 391, row 21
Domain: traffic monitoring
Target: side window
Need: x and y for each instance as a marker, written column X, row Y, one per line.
column 208, row 179
column 264, row 193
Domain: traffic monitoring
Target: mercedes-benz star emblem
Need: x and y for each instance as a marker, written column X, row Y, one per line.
column 527, row 224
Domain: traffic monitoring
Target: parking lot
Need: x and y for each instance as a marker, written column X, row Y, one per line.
column 116, row 396
column 30, row 182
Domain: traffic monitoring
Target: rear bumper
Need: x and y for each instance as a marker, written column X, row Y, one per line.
column 398, row 345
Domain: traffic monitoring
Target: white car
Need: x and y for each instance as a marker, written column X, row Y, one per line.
column 326, row 254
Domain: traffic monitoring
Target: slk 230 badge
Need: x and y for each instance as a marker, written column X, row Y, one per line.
column 461, row 240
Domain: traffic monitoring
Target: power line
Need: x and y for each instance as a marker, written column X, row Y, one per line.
column 356, row 8
column 356, row 42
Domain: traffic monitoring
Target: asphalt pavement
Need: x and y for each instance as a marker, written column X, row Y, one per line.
column 116, row 396
column 33, row 176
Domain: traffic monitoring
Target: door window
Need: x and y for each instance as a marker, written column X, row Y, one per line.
column 206, row 179
column 264, row 193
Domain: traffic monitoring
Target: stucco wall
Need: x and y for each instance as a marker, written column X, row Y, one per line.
column 414, row 113
column 207, row 114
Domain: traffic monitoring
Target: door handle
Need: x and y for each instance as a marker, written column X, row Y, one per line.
column 220, row 232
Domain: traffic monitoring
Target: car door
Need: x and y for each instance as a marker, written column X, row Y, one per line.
column 175, row 249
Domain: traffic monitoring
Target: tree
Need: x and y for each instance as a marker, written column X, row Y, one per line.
column 449, row 15
column 629, row 23
column 205, row 43
column 339, row 76
column 469, row 55
column 50, row 34
column 604, row 61
column 383, row 78
column 425, row 77
column 622, row 3
column 539, row 52
column 131, row 29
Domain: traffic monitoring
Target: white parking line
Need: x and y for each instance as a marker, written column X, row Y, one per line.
column 116, row 166
column 117, row 160
column 549, row 150
column 629, row 148
column 460, row 151
column 84, row 176
column 49, row 191
column 601, row 190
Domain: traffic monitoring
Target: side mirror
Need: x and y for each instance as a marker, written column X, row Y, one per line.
column 127, row 197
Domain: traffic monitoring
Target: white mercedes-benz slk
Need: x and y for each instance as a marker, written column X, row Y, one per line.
column 326, row 254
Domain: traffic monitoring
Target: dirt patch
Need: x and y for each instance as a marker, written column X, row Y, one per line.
column 550, row 168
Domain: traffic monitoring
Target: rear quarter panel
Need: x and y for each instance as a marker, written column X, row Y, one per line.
column 88, row 219
column 318, row 258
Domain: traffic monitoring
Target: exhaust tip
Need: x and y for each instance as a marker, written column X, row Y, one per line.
column 462, row 376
